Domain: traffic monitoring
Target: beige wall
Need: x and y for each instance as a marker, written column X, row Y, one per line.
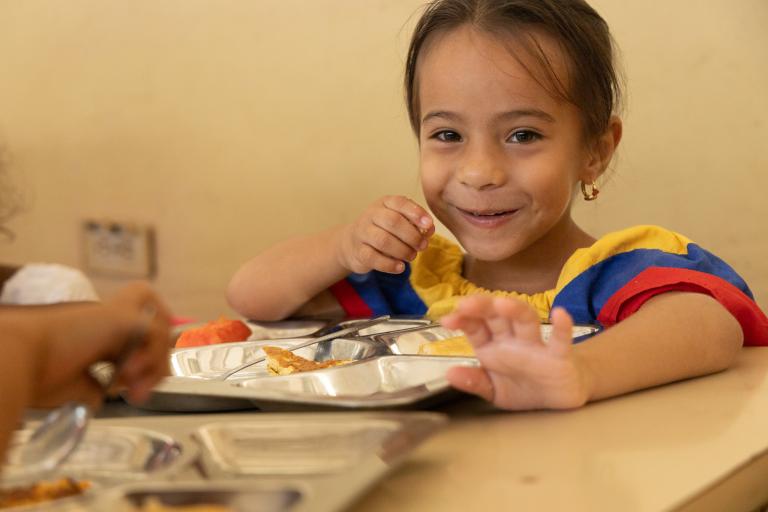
column 229, row 125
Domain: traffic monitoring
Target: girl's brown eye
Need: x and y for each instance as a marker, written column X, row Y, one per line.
column 447, row 136
column 524, row 136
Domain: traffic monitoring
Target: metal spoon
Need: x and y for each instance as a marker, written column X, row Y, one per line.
column 50, row 444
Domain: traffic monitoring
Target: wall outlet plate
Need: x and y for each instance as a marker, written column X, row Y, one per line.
column 119, row 249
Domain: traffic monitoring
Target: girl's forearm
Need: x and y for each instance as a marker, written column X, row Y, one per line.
column 674, row 336
column 280, row 280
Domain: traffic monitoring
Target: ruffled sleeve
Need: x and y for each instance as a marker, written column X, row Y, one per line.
column 611, row 280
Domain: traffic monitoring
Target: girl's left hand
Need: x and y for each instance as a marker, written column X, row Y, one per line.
column 519, row 370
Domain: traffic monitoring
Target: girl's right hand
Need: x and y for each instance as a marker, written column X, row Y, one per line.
column 390, row 232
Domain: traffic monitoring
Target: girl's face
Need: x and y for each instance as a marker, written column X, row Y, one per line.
column 499, row 155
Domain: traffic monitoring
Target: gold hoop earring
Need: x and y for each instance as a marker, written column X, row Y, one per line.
column 589, row 195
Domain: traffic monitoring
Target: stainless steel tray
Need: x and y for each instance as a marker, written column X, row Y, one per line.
column 408, row 341
column 106, row 457
column 382, row 382
column 109, row 454
column 231, row 473
column 387, row 373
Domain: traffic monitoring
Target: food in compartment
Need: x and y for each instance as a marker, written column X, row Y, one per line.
column 284, row 362
column 155, row 505
column 456, row 346
column 222, row 330
column 42, row 491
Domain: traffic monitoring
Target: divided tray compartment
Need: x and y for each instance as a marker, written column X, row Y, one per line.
column 107, row 456
column 210, row 361
column 382, row 382
column 270, row 448
column 408, row 341
column 305, row 462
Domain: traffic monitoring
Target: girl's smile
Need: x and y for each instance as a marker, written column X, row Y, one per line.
column 487, row 219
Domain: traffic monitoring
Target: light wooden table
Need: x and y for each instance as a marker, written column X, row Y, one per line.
column 701, row 444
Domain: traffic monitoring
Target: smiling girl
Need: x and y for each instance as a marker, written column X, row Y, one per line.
column 514, row 105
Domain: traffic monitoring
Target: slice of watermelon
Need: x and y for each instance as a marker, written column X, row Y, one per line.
column 222, row 330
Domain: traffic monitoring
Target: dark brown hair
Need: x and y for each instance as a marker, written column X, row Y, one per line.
column 593, row 83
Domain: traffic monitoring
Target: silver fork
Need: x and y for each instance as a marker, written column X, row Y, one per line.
column 332, row 336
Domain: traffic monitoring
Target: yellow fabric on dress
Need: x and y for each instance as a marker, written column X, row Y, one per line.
column 436, row 273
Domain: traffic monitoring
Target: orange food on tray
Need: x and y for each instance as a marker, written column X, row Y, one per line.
column 41, row 492
column 222, row 330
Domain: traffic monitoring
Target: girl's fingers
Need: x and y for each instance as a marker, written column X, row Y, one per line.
column 561, row 340
column 371, row 258
column 476, row 330
column 417, row 215
column 418, row 226
column 470, row 316
column 499, row 322
column 400, row 227
column 478, row 312
column 507, row 359
column 525, row 322
column 471, row 380
column 388, row 244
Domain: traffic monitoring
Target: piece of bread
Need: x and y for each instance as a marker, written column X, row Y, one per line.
column 284, row 362
column 222, row 330
column 458, row 346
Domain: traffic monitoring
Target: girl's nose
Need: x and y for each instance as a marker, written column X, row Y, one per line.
column 482, row 169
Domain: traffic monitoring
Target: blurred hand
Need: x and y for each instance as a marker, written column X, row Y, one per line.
column 76, row 336
column 390, row 232
column 519, row 371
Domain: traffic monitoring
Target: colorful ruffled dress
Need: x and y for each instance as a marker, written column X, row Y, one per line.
column 599, row 285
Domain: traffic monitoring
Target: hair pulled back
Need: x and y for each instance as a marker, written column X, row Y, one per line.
column 593, row 83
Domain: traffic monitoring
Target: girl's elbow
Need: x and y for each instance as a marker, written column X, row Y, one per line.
column 245, row 301
column 731, row 341
column 239, row 300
